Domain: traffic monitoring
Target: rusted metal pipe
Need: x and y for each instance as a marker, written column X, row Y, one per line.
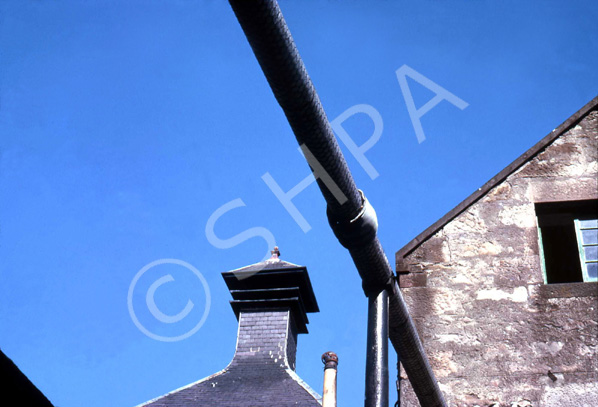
column 330, row 361
column 376, row 369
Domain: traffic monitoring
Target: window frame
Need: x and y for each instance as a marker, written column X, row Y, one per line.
column 541, row 249
column 581, row 247
column 562, row 252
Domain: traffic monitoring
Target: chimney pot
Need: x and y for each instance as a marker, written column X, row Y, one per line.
column 330, row 360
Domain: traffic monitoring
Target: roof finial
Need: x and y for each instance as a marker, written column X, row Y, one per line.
column 275, row 253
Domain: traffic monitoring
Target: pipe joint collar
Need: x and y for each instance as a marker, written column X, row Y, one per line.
column 358, row 231
column 374, row 287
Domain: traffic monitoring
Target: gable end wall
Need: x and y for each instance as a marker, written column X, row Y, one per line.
column 475, row 288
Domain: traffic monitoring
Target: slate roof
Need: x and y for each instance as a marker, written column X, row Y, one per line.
column 270, row 299
column 270, row 264
column 494, row 181
column 239, row 386
column 272, row 274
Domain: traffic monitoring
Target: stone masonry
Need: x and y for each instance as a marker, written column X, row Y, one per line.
column 495, row 333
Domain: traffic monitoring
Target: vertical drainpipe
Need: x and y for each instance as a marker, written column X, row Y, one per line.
column 376, row 369
column 330, row 361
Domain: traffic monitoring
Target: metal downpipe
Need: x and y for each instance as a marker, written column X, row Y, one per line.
column 376, row 368
column 351, row 218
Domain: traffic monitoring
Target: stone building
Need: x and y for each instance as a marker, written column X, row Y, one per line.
column 503, row 287
column 271, row 301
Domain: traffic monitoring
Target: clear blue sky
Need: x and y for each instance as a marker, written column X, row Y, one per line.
column 125, row 125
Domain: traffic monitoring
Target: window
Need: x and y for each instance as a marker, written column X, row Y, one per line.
column 568, row 234
column 587, row 238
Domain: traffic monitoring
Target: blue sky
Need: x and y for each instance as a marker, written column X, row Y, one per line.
column 125, row 125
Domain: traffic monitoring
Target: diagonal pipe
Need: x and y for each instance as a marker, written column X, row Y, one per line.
column 351, row 218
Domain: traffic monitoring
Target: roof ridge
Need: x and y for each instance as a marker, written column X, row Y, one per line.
column 498, row 178
column 260, row 265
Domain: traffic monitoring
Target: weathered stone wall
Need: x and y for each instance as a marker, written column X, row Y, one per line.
column 494, row 332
